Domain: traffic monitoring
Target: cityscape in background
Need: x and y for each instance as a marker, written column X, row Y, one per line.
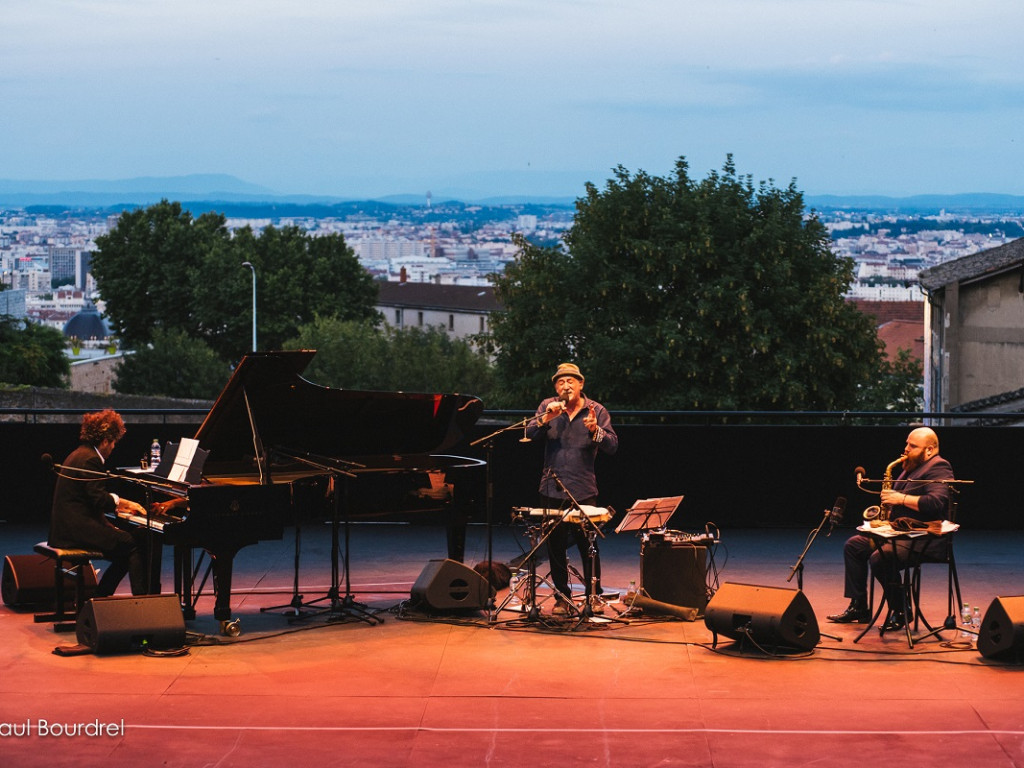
column 45, row 256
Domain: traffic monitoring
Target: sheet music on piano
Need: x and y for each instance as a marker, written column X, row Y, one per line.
column 182, row 462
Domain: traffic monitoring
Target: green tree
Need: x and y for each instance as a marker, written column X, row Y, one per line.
column 31, row 354
column 146, row 268
column 898, row 385
column 359, row 355
column 160, row 268
column 680, row 294
column 173, row 365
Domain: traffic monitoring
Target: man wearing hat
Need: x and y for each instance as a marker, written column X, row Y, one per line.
column 575, row 429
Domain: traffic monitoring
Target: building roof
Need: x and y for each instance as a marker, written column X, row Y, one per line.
column 990, row 262
column 87, row 324
column 458, row 298
column 902, row 334
column 886, row 311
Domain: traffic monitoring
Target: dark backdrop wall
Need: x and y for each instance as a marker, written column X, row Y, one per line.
column 732, row 476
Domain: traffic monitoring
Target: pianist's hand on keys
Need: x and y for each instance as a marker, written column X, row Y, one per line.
column 127, row 506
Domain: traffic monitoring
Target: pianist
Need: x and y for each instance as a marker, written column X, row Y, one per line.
column 575, row 429
column 81, row 503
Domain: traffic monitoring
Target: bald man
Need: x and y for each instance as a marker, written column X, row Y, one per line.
column 910, row 496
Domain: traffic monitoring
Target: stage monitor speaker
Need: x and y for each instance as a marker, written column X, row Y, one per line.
column 771, row 617
column 448, row 584
column 676, row 574
column 27, row 580
column 131, row 623
column 1001, row 635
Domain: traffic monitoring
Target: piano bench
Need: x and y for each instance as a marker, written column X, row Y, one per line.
column 66, row 562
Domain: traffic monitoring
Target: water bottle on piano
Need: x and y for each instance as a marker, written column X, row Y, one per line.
column 154, row 454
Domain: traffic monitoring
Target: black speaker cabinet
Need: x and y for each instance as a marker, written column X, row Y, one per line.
column 448, row 584
column 129, row 623
column 771, row 617
column 675, row 573
column 1001, row 635
column 28, row 581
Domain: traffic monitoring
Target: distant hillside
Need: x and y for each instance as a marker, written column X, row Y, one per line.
column 962, row 203
column 222, row 188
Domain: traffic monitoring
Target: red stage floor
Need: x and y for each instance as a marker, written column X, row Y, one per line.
column 465, row 691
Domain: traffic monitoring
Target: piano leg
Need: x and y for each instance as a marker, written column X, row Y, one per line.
column 183, row 581
column 222, row 566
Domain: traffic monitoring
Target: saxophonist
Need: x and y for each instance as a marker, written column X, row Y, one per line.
column 907, row 497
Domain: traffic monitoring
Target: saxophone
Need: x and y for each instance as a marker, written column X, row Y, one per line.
column 879, row 514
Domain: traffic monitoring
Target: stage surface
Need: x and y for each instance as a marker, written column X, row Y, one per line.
column 409, row 688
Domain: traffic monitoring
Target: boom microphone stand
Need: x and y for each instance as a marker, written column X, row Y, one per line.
column 831, row 516
column 488, row 441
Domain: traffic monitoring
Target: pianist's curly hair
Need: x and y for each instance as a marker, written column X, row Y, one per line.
column 98, row 426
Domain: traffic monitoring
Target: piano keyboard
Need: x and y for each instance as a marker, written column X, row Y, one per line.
column 155, row 522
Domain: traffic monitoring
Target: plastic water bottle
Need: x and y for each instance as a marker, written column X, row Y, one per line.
column 631, row 590
column 154, row 454
column 513, row 585
column 965, row 621
column 976, row 621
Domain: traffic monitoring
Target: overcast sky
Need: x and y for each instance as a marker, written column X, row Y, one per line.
column 373, row 97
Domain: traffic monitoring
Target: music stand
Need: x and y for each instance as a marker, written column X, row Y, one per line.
column 644, row 515
column 649, row 513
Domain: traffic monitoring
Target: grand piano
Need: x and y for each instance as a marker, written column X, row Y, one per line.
column 271, row 433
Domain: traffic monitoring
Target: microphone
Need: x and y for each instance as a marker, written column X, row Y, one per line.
column 836, row 515
column 47, row 459
column 860, row 474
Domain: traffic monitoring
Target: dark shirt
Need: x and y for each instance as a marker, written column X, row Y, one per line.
column 570, row 449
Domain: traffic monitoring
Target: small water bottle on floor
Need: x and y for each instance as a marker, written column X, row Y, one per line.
column 513, row 587
column 976, row 621
column 965, row 622
column 154, row 454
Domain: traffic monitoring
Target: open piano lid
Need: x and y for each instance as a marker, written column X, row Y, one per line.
column 290, row 413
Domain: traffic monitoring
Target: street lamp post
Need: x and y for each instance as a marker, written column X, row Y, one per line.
column 250, row 266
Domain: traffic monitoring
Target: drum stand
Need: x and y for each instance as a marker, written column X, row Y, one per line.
column 592, row 599
column 529, row 606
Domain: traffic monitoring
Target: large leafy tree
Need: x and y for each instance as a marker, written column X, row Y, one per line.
column 358, row 355
column 159, row 268
column 32, row 355
column 173, row 365
column 673, row 293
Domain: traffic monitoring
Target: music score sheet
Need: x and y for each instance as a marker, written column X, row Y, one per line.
column 183, row 459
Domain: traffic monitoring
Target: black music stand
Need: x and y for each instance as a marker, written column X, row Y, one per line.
column 644, row 515
column 649, row 513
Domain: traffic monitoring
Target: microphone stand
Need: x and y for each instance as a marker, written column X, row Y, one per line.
column 592, row 532
column 338, row 606
column 488, row 441
column 798, row 567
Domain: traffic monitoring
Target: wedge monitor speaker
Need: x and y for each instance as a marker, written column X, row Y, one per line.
column 450, row 585
column 131, row 623
column 769, row 617
column 1001, row 635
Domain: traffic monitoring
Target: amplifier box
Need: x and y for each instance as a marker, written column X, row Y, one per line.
column 675, row 573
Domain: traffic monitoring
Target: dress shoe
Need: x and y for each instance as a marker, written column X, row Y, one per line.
column 855, row 613
column 895, row 623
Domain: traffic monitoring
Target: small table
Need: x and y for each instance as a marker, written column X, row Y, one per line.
column 886, row 534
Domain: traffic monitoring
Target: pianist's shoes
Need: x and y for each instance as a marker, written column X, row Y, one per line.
column 857, row 612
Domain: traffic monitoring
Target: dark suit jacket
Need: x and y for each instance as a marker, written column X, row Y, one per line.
column 933, row 503
column 78, row 518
